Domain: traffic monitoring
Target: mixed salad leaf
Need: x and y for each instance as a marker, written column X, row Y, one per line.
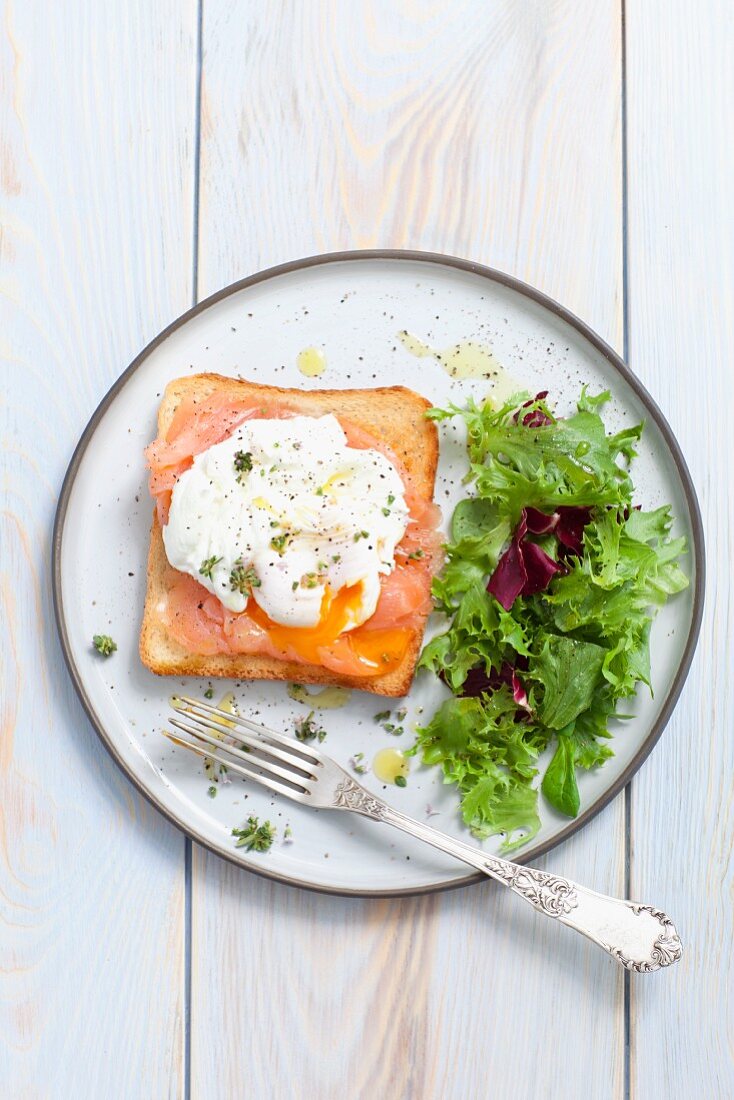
column 550, row 585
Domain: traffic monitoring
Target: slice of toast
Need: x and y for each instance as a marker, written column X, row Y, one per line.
column 394, row 415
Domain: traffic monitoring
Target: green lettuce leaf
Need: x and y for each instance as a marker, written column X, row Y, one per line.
column 559, row 782
column 579, row 647
column 568, row 670
column 492, row 760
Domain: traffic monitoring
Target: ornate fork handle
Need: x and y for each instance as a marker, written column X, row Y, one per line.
column 639, row 937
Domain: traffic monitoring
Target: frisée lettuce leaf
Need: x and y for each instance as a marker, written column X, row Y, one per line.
column 551, row 581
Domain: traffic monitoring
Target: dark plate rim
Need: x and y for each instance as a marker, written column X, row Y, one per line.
column 698, row 552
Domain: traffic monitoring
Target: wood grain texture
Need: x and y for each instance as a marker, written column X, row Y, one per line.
column 681, row 294
column 490, row 131
column 96, row 173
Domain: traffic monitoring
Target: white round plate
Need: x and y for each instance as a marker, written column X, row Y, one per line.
column 352, row 305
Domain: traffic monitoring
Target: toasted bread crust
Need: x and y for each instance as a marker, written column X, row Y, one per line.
column 394, row 415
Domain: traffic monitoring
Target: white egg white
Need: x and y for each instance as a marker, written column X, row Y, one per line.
column 307, row 513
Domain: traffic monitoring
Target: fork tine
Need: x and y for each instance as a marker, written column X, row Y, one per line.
column 299, row 779
column 259, row 743
column 256, row 727
column 272, row 784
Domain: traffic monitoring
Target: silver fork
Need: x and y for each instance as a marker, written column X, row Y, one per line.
column 639, row 937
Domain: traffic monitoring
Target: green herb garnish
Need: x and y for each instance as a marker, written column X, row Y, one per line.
column 401, row 781
column 207, row 565
column 358, row 764
column 242, row 579
column 242, row 462
column 307, row 729
column 209, row 693
column 253, row 836
column 280, row 542
column 212, row 791
column 361, row 535
column 104, row 644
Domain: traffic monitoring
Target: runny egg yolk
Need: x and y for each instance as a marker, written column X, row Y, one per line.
column 376, row 650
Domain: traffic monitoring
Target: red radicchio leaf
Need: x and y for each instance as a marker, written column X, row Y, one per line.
column 567, row 524
column 539, row 523
column 510, row 576
column 570, row 527
column 478, row 681
column 507, row 675
column 539, row 568
column 536, row 418
column 524, row 568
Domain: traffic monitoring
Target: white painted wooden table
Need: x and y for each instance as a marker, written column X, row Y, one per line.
column 151, row 152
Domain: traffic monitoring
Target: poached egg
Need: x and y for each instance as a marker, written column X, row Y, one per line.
column 283, row 511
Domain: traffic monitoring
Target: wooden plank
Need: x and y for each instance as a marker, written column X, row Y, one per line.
column 681, row 292
column 96, row 176
column 491, row 131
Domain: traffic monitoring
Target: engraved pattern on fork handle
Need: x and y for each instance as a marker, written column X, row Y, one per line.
column 349, row 795
column 639, row 937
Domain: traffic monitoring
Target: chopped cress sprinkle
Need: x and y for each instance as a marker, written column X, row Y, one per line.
column 253, row 836
column 242, row 462
column 358, row 765
column 243, row 579
column 307, row 729
column 207, row 565
column 279, row 542
column 104, row 644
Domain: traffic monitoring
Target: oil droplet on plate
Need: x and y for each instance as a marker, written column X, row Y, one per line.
column 468, row 359
column 415, row 346
column 390, row 764
column 311, row 362
column 328, row 698
column 227, row 704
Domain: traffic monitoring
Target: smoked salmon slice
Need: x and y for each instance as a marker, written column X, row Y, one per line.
column 200, row 623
